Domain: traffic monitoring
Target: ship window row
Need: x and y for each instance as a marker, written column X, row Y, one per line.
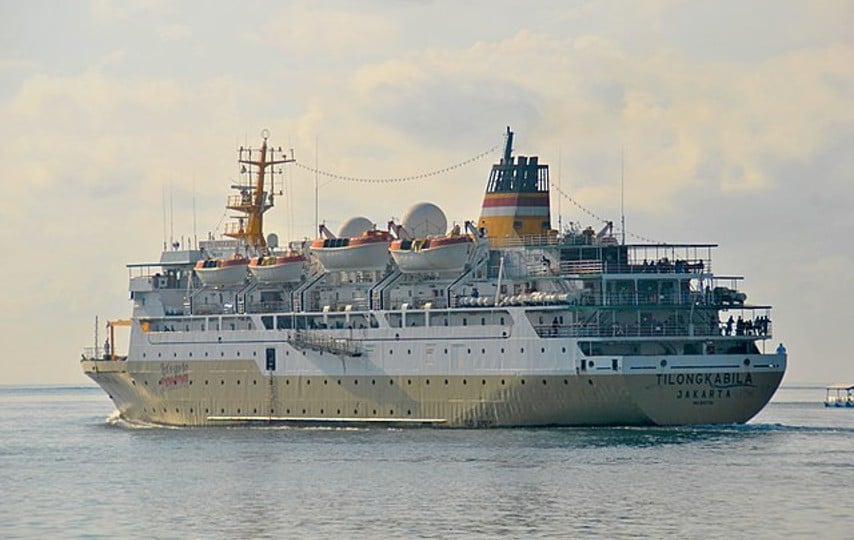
column 410, row 319
column 197, row 324
column 318, row 321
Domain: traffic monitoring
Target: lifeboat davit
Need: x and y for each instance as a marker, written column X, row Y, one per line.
column 436, row 254
column 277, row 268
column 222, row 271
column 368, row 251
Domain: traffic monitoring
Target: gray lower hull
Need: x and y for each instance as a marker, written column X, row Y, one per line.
column 236, row 392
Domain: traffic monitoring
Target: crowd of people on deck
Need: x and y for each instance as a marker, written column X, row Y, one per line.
column 748, row 327
column 665, row 266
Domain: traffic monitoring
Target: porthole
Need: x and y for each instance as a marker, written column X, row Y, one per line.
column 206, row 354
column 391, row 351
column 238, row 411
column 222, row 353
column 409, row 381
column 523, row 381
column 338, row 411
column 222, row 382
column 191, row 355
column 208, row 411
column 272, row 411
column 191, row 383
column 464, row 382
column 255, row 382
column 254, row 353
column 325, row 382
column 522, row 350
column 375, row 412
column 542, row 349
column 133, row 383
column 468, row 351
column 563, row 349
column 544, row 382
column 143, row 355
column 391, row 412
column 408, row 351
column 747, row 361
column 502, row 382
column 339, row 382
column 238, row 381
column 483, row 351
column 287, row 411
column 159, row 355
column 355, row 381
column 303, row 411
column 308, row 382
column 565, row 381
column 483, row 382
column 191, row 410
column 177, row 411
column 206, row 382
column 373, row 381
column 287, row 381
column 146, row 383
column 355, row 412
column 255, row 411
column 238, row 353
column 408, row 412
column 222, row 411
column 427, row 382
column 591, row 363
column 663, row 363
column 502, row 350
column 446, row 351
column 446, row 382
column 391, row 382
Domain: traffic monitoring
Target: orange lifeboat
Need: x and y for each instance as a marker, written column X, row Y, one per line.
column 222, row 271
column 368, row 251
column 278, row 268
column 436, row 254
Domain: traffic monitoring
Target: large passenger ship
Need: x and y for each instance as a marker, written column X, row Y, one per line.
column 502, row 321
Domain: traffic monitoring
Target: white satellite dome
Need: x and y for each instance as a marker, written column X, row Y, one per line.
column 424, row 219
column 355, row 226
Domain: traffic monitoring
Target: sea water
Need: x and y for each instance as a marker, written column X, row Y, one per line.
column 69, row 471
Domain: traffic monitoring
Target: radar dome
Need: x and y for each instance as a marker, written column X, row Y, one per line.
column 424, row 219
column 355, row 226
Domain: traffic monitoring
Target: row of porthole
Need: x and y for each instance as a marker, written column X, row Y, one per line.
column 483, row 351
column 356, row 382
column 272, row 411
column 390, row 352
column 221, row 354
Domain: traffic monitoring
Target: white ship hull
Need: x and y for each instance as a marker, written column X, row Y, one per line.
column 448, row 258
column 371, row 256
column 462, row 379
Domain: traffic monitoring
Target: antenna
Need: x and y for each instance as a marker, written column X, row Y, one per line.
column 316, row 185
column 163, row 205
column 195, row 236
column 171, row 214
column 560, row 190
column 622, row 196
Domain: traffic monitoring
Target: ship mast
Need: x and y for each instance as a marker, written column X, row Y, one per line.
column 253, row 200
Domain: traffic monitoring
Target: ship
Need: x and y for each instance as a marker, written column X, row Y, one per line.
column 502, row 321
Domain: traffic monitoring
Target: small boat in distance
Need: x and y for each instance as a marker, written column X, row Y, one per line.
column 839, row 395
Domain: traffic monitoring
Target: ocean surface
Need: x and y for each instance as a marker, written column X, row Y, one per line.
column 68, row 471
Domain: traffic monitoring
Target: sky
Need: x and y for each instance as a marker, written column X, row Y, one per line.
column 734, row 121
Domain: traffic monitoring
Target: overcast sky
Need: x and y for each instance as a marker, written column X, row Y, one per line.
column 735, row 118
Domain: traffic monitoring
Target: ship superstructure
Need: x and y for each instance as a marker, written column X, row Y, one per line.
column 501, row 321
